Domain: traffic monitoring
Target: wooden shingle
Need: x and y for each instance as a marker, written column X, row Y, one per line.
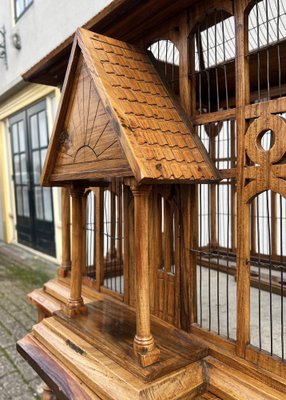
column 116, row 110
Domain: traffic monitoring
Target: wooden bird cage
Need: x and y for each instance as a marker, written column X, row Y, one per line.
column 169, row 146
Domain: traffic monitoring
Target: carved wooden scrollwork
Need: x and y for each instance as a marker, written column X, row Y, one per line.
column 267, row 173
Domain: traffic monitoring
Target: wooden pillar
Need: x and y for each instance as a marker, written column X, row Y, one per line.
column 144, row 344
column 75, row 303
column 243, row 222
column 66, row 246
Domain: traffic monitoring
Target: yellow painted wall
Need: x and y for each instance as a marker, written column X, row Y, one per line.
column 6, row 185
column 25, row 97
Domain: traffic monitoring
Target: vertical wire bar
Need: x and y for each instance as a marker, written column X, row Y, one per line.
column 208, row 66
column 209, row 261
column 198, row 39
column 121, row 222
column 106, row 236
column 267, row 51
column 270, row 270
column 166, row 58
column 95, row 236
column 216, row 69
column 281, row 278
column 228, row 232
column 115, row 237
column 278, row 49
column 224, row 64
column 201, row 227
column 218, row 236
column 173, row 68
column 268, row 73
column 112, row 233
column 259, row 270
column 258, row 52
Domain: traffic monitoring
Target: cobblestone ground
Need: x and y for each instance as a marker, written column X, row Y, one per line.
column 20, row 272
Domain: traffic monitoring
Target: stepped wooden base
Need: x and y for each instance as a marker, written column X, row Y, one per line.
column 225, row 375
column 110, row 328
column 75, row 369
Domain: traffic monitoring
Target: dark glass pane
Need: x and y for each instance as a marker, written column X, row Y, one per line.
column 17, row 169
column 24, row 172
column 39, row 203
column 43, row 129
column 34, row 131
column 26, row 202
column 21, row 131
column 19, row 200
column 36, row 166
column 47, row 195
column 43, row 157
column 15, row 138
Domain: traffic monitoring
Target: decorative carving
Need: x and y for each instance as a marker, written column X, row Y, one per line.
column 87, row 138
column 266, row 174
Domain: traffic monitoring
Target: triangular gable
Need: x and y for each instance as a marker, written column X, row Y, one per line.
column 116, row 118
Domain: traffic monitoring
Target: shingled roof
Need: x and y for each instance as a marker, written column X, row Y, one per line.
column 117, row 118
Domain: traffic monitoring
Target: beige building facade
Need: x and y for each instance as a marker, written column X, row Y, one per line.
column 30, row 29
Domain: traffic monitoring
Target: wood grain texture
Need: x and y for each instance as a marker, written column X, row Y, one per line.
column 118, row 118
column 75, row 302
column 144, row 345
column 117, row 86
column 107, row 379
column 63, row 383
column 111, row 327
column 66, row 243
column 87, row 141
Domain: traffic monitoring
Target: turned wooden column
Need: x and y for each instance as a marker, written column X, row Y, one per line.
column 75, row 303
column 66, row 245
column 144, row 344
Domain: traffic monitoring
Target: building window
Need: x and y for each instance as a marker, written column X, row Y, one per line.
column 21, row 6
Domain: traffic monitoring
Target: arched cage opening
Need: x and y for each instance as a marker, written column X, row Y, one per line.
column 266, row 49
column 168, row 58
column 213, row 67
column 268, row 273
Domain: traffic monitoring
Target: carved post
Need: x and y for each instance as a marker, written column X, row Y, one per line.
column 144, row 344
column 75, row 303
column 66, row 246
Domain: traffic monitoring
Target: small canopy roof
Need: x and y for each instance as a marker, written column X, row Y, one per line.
column 117, row 118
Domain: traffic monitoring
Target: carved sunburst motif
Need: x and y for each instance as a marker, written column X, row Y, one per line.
column 88, row 126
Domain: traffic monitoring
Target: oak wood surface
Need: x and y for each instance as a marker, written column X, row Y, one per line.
column 63, row 383
column 111, row 329
column 108, row 379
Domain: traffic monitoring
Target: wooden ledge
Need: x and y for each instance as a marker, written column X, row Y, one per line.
column 105, row 378
column 63, row 383
column 110, row 328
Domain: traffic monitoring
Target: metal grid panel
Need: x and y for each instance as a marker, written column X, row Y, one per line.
column 267, row 45
column 217, row 243
column 168, row 56
column 214, row 62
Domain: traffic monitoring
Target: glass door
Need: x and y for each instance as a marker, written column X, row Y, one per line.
column 34, row 206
